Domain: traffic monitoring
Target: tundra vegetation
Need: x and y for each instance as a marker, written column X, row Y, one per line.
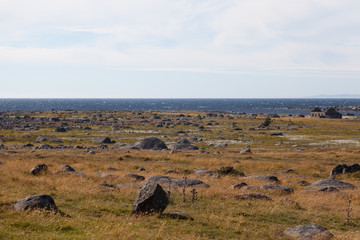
column 95, row 193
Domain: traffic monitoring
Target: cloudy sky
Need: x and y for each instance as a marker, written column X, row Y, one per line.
column 179, row 48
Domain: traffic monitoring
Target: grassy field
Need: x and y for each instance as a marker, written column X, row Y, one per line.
column 311, row 147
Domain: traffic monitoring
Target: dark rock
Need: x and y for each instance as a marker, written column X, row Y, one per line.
column 303, row 183
column 279, row 188
column 41, row 139
column 252, row 196
column 170, row 171
column 329, row 189
column 44, row 202
column 152, row 143
column 67, row 168
column 245, row 151
column 142, row 170
column 331, row 183
column 151, row 198
column 1, row 163
column 56, row 141
column 183, row 141
column 28, row 145
column 178, row 215
column 239, row 185
column 39, row 169
column 277, row 134
column 230, row 171
column 60, row 129
column 102, row 140
column 352, row 168
column 135, row 177
column 309, row 232
column 287, row 171
column 339, row 169
column 176, row 182
column 268, row 178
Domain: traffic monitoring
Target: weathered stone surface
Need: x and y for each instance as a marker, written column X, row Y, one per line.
column 39, row 169
column 252, row 196
column 268, row 178
column 104, row 175
column 152, row 143
column 151, row 198
column 331, row 183
column 183, row 146
column 67, row 168
column 228, row 170
column 176, row 182
column 343, row 168
column 135, row 176
column 309, row 232
column 245, row 151
column 44, row 202
column 239, row 185
column 41, row 139
column 102, row 140
column 278, row 188
column 60, row 129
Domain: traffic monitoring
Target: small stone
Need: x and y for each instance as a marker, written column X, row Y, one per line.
column 252, row 196
column 39, row 169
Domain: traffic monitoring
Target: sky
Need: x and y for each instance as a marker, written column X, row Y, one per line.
column 179, row 48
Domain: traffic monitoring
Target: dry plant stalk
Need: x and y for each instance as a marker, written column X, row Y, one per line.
column 184, row 195
column 348, row 210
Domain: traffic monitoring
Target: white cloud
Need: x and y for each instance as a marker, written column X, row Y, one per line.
column 186, row 34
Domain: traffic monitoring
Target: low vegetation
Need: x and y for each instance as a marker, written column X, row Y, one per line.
column 89, row 209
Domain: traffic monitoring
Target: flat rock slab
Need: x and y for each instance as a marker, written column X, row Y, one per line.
column 183, row 146
column 177, row 182
column 178, row 215
column 252, row 196
column 135, row 176
column 278, row 188
column 309, row 232
column 331, row 183
column 151, row 198
column 44, row 202
column 268, row 178
column 104, row 175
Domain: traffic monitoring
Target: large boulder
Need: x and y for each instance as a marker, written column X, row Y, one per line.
column 151, row 198
column 176, row 182
column 44, row 202
column 343, row 168
column 331, row 183
column 309, row 232
column 152, row 143
column 39, row 169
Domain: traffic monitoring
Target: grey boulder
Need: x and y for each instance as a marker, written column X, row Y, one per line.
column 151, row 199
column 33, row 202
column 39, row 169
column 309, row 232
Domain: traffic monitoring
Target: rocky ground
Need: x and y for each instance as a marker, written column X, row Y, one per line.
column 177, row 175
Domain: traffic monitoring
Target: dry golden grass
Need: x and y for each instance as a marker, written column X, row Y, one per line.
column 91, row 211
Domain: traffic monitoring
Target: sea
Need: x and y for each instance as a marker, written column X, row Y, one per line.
column 238, row 105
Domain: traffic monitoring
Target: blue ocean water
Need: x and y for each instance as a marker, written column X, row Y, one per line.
column 279, row 106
